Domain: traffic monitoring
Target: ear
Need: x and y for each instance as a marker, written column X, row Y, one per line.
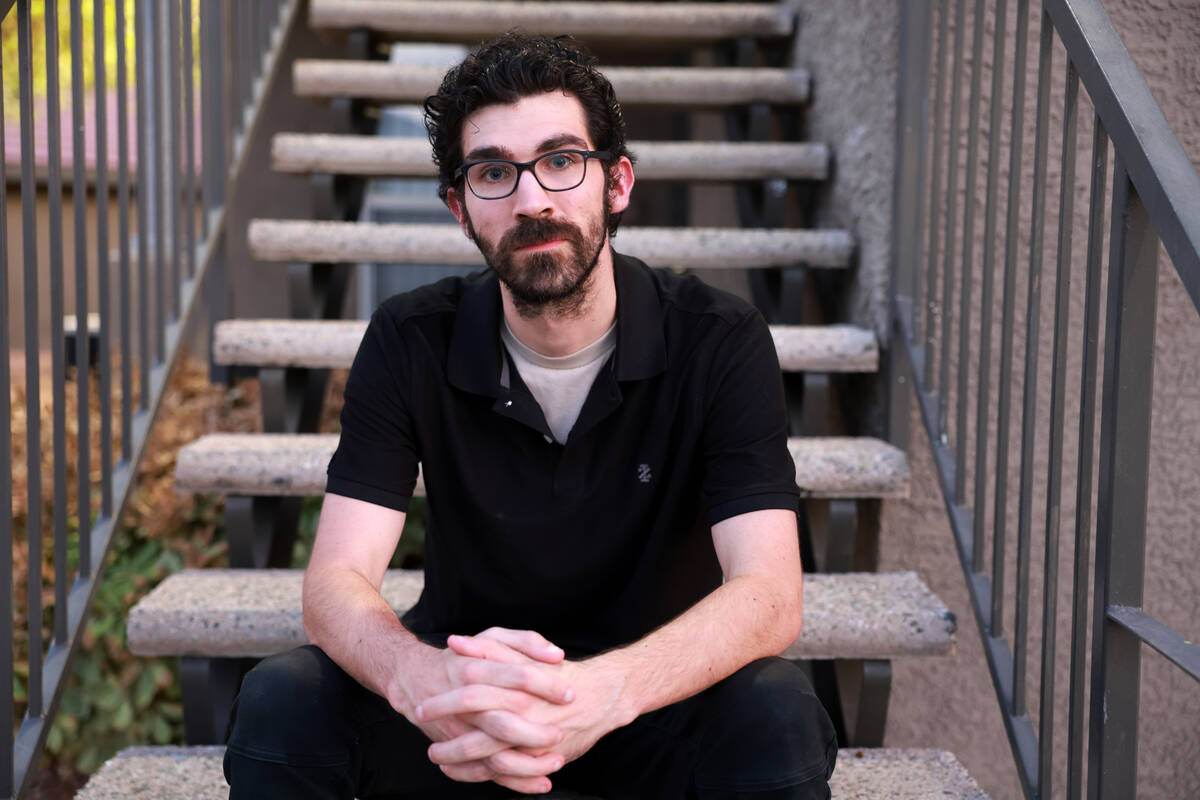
column 622, row 185
column 458, row 208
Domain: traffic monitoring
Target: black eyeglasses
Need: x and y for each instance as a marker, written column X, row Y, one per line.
column 556, row 171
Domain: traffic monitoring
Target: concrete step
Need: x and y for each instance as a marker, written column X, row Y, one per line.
column 663, row 86
column 471, row 22
column 684, row 160
column 194, row 773
column 294, row 464
column 227, row 613
column 331, row 344
column 684, row 248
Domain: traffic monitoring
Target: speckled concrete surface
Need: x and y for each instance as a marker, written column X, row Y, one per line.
column 683, row 160
column 159, row 773
column 257, row 612
column 677, row 86
column 287, row 343
column 287, row 464
column 694, row 248
column 194, row 773
column 864, row 774
column 829, row 348
column 471, row 21
column 844, row 466
column 333, row 343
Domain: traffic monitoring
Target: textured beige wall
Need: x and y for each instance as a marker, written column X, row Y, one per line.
column 949, row 702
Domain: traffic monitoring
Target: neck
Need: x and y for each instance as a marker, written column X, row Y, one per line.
column 555, row 335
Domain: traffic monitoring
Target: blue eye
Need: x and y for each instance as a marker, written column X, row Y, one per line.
column 561, row 160
column 493, row 173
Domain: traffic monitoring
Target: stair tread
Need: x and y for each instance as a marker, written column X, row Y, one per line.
column 194, row 773
column 252, row 613
column 470, row 21
column 331, row 344
column 692, row 248
column 671, row 86
column 682, row 160
column 294, row 464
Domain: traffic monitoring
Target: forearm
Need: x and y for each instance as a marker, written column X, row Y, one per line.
column 746, row 618
column 350, row 621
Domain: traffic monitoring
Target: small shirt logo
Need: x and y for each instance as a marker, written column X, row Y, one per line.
column 644, row 473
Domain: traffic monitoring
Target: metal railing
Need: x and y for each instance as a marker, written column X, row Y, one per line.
column 147, row 290
column 1154, row 198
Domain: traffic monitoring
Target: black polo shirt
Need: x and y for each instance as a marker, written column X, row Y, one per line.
column 596, row 542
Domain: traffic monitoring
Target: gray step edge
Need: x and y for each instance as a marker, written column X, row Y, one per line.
column 253, row 613
column 684, row 160
column 306, row 241
column 294, row 464
column 194, row 773
column 673, row 86
column 331, row 344
column 469, row 21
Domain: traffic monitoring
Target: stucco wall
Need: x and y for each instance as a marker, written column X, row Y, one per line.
column 851, row 50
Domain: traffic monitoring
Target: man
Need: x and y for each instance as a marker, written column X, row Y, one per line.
column 611, row 556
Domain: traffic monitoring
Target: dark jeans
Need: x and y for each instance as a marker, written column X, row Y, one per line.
column 303, row 728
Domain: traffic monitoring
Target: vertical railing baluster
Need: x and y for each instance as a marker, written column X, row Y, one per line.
column 189, row 123
column 83, row 455
column 1062, row 314
column 7, row 701
column 57, row 343
column 212, row 107
column 174, row 173
column 162, row 286
column 1121, row 511
column 947, row 304
column 907, row 204
column 935, row 185
column 1004, row 378
column 984, row 396
column 1083, row 490
column 33, row 428
column 125, row 287
column 1033, row 315
column 144, row 198
column 968, row 264
column 245, row 73
column 103, row 266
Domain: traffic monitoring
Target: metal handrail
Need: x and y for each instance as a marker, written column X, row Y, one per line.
column 1155, row 197
column 238, row 46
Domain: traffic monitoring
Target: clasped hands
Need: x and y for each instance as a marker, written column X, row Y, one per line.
column 506, row 706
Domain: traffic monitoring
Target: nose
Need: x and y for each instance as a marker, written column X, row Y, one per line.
column 530, row 199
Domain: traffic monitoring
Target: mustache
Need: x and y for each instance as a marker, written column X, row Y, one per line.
column 537, row 231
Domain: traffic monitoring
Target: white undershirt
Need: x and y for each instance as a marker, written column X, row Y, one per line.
column 560, row 384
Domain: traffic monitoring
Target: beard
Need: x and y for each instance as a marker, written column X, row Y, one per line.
column 553, row 282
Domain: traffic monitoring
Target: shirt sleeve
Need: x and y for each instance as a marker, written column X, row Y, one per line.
column 377, row 457
column 747, row 464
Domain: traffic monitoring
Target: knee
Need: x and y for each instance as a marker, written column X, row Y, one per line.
column 769, row 730
column 295, row 693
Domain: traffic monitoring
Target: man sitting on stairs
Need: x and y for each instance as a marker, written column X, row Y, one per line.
column 612, row 561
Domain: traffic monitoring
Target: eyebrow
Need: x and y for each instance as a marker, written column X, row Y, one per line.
column 555, row 142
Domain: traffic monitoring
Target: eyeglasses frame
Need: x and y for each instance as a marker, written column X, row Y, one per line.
column 522, row 166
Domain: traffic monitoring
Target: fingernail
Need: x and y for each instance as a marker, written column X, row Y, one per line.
column 420, row 712
column 569, row 695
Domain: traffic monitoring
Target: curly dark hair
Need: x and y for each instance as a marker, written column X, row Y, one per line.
column 508, row 68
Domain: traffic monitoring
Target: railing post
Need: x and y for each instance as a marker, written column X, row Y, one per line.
column 912, row 133
column 1123, row 478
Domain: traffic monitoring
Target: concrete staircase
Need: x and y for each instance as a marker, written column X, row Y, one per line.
column 856, row 620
